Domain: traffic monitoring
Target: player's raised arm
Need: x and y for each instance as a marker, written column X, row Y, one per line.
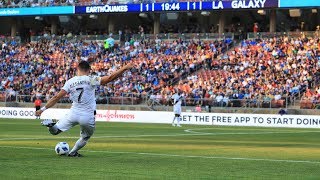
column 106, row 79
column 52, row 101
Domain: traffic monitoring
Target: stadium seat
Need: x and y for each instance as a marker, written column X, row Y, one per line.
column 306, row 104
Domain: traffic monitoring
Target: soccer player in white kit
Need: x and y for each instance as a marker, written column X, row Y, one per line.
column 81, row 90
column 177, row 101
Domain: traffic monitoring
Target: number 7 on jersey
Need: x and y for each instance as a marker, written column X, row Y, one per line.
column 80, row 90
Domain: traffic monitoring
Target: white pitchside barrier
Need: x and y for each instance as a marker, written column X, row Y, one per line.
column 263, row 120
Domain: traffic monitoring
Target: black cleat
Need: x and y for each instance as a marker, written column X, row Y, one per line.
column 75, row 155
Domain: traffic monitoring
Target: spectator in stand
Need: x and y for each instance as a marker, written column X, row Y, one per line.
column 70, row 2
column 141, row 32
column 110, row 41
column 277, row 96
column 255, row 28
column 278, row 67
column 198, row 108
column 37, row 104
column 219, row 100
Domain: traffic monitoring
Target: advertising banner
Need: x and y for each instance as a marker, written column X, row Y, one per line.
column 259, row 120
column 299, row 3
column 37, row 11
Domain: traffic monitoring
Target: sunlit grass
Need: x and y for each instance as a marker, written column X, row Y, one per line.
column 118, row 151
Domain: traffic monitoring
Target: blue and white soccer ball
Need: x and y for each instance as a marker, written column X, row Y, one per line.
column 62, row 148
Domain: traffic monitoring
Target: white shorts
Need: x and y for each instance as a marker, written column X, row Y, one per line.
column 177, row 110
column 86, row 122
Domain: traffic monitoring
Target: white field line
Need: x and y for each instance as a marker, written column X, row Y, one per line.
column 177, row 155
column 252, row 129
column 98, row 137
column 189, row 132
column 196, row 131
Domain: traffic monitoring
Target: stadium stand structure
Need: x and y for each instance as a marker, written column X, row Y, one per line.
column 268, row 73
column 260, row 72
column 39, row 68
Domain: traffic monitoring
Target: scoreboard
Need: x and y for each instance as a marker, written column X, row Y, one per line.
column 160, row 7
column 178, row 6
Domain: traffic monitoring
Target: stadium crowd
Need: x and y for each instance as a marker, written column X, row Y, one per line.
column 256, row 73
column 41, row 68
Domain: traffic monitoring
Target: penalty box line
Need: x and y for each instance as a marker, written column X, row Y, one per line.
column 177, row 155
column 196, row 132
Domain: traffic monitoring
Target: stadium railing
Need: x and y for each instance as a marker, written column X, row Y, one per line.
column 123, row 99
column 10, row 39
column 168, row 37
column 240, row 103
column 139, row 99
column 262, row 35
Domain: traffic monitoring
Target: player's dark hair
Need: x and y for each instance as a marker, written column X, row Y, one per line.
column 84, row 66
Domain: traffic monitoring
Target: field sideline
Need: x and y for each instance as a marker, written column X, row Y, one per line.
column 159, row 151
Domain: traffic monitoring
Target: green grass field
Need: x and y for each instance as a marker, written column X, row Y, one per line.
column 159, row 151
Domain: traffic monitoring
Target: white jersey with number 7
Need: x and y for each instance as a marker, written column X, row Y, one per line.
column 81, row 90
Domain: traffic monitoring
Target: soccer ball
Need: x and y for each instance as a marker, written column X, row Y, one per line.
column 62, row 148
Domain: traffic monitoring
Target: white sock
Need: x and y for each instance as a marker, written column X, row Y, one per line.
column 79, row 144
column 173, row 120
column 178, row 121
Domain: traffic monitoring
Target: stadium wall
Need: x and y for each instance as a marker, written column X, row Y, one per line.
column 143, row 107
column 224, row 119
